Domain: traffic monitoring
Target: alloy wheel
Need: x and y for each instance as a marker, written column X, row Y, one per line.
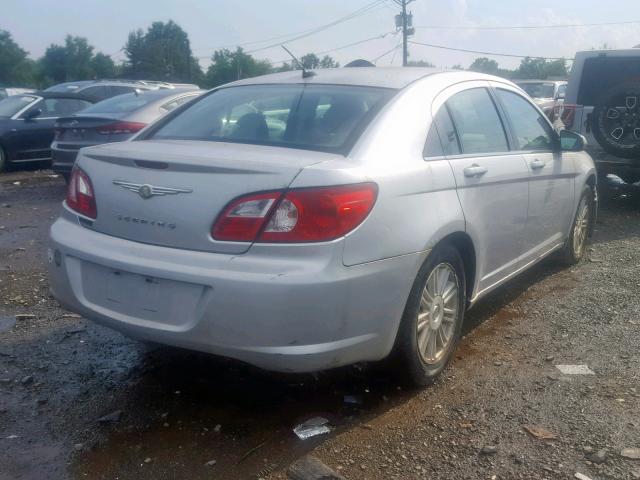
column 581, row 227
column 438, row 313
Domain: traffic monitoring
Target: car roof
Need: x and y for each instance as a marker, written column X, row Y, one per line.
column 156, row 95
column 384, row 77
column 73, row 95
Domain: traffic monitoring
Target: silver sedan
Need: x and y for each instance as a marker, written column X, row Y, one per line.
column 301, row 223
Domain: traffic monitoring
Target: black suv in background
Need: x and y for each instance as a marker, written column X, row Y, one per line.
column 603, row 104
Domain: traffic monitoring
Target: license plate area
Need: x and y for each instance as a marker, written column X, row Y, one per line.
column 144, row 297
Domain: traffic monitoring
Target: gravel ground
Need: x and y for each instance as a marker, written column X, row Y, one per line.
column 175, row 415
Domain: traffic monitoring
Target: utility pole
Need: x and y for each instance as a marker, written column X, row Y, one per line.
column 404, row 22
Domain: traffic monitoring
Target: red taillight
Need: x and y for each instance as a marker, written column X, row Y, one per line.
column 120, row 127
column 299, row 215
column 568, row 115
column 80, row 195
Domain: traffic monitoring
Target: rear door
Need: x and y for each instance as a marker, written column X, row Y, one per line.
column 492, row 181
column 551, row 187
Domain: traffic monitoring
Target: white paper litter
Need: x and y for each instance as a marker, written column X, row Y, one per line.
column 312, row 427
column 575, row 370
column 580, row 476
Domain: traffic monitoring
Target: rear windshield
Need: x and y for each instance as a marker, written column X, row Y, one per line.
column 122, row 103
column 11, row 105
column 538, row 89
column 314, row 117
column 600, row 74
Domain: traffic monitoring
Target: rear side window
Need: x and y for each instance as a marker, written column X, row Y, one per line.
column 314, row 117
column 61, row 107
column 531, row 130
column 600, row 74
column 477, row 122
column 119, row 90
column 97, row 93
column 442, row 138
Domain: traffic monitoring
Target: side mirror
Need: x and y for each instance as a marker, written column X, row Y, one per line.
column 33, row 113
column 572, row 141
column 560, row 96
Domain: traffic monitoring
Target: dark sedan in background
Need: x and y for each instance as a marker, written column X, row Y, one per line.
column 27, row 124
column 113, row 120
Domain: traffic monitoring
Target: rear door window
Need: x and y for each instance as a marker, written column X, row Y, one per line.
column 477, row 122
column 60, row 107
column 442, row 138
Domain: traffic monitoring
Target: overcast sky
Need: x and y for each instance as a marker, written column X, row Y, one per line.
column 212, row 24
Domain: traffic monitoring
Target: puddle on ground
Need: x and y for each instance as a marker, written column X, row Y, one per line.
column 6, row 323
column 171, row 414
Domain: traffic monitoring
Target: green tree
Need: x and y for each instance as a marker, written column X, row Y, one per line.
column 103, row 66
column 556, row 68
column 162, row 53
column 531, row 68
column 328, row 62
column 420, row 63
column 485, row 65
column 227, row 66
column 15, row 67
column 69, row 62
column 310, row 61
column 457, row 67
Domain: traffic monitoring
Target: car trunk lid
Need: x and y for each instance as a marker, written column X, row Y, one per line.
column 169, row 193
column 73, row 133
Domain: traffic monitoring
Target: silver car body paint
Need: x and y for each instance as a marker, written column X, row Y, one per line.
column 304, row 307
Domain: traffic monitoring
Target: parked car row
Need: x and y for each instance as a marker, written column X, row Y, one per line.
column 29, row 122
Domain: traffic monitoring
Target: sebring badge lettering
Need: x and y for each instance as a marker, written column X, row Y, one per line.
column 144, row 221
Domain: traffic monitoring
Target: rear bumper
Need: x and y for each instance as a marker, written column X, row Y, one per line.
column 280, row 308
column 62, row 160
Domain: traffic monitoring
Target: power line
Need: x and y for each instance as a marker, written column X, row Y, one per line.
column 357, row 13
column 335, row 49
column 396, row 47
column 521, row 27
column 369, row 8
column 484, row 53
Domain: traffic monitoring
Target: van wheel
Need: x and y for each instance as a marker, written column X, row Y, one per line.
column 616, row 121
column 575, row 246
column 432, row 320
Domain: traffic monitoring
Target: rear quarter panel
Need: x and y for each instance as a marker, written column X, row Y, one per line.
column 417, row 203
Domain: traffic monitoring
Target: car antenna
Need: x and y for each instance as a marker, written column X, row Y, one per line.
column 305, row 73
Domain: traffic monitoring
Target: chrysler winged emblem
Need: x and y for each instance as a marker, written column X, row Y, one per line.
column 147, row 191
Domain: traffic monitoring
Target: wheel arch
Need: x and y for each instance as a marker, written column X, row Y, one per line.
column 464, row 244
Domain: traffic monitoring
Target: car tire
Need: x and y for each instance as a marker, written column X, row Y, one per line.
column 575, row 246
column 618, row 113
column 437, row 319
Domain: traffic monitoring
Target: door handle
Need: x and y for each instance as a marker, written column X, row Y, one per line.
column 475, row 170
column 537, row 164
